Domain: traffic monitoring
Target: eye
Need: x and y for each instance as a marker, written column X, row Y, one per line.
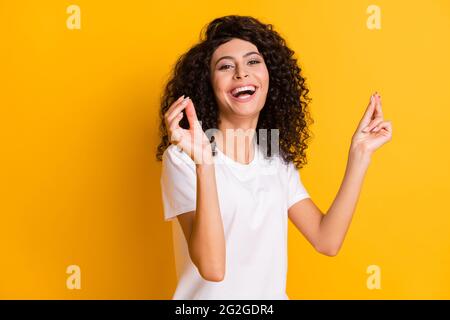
column 256, row 61
column 225, row 65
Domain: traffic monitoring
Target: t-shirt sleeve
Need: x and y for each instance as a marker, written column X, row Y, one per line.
column 296, row 190
column 178, row 183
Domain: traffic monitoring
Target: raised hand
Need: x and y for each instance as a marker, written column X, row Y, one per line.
column 193, row 141
column 373, row 131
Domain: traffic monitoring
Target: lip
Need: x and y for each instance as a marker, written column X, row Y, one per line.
column 245, row 85
column 249, row 98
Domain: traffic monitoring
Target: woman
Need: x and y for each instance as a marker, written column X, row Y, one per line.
column 233, row 196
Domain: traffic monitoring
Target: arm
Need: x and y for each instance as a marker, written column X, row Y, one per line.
column 207, row 239
column 334, row 225
column 202, row 228
column 327, row 232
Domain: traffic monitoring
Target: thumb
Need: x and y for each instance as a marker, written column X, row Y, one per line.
column 191, row 115
column 368, row 114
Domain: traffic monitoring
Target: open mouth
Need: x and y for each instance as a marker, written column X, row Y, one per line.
column 244, row 94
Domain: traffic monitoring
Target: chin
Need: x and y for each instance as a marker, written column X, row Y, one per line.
column 244, row 107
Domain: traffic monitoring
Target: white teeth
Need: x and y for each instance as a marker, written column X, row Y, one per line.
column 236, row 90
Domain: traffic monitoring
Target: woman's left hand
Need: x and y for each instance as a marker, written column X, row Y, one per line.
column 373, row 131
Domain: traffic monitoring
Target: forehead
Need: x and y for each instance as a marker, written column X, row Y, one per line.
column 235, row 48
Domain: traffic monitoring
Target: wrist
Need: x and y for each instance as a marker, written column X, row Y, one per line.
column 206, row 157
column 202, row 168
column 359, row 155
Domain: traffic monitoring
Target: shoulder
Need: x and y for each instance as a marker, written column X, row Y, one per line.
column 173, row 153
column 286, row 168
column 173, row 156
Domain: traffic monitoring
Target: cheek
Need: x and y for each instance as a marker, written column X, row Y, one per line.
column 219, row 85
column 265, row 76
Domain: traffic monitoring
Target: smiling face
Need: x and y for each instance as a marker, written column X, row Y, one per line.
column 239, row 78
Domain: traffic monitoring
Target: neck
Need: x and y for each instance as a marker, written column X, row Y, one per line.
column 235, row 137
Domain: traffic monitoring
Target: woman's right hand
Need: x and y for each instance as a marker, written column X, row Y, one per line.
column 193, row 141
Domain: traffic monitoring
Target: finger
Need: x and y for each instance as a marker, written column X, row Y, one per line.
column 368, row 113
column 383, row 125
column 177, row 109
column 173, row 104
column 168, row 112
column 388, row 129
column 378, row 111
column 175, row 123
column 373, row 124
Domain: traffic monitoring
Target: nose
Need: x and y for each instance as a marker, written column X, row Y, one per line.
column 240, row 73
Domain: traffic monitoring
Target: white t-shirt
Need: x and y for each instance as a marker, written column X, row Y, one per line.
column 253, row 199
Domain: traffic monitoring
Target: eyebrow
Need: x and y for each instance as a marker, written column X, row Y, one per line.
column 245, row 55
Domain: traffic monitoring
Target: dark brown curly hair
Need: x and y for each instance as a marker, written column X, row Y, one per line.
column 287, row 97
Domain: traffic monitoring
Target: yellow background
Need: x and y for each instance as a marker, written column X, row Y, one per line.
column 79, row 179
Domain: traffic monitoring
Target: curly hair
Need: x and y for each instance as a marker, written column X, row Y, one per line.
column 286, row 106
